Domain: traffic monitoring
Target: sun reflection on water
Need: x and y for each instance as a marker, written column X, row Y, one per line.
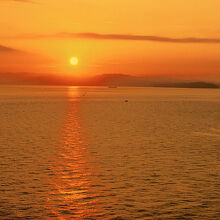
column 71, row 194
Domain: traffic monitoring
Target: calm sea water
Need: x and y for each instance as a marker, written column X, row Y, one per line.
column 85, row 153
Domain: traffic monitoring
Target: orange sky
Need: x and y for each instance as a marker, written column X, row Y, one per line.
column 40, row 36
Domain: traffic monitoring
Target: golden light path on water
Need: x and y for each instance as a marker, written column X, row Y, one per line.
column 84, row 153
column 71, row 194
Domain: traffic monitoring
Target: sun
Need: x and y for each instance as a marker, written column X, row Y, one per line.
column 74, row 61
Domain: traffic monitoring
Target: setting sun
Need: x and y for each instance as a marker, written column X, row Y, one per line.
column 74, row 61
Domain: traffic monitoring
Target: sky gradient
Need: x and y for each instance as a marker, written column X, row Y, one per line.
column 173, row 38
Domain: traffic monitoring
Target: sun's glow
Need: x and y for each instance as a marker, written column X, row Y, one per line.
column 74, row 61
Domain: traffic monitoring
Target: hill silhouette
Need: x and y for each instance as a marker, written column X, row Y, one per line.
column 101, row 80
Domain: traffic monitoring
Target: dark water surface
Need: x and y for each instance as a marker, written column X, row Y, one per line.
column 85, row 153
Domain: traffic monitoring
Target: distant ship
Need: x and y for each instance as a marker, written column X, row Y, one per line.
column 112, row 86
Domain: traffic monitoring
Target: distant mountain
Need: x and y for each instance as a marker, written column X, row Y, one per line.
column 188, row 85
column 111, row 80
column 128, row 80
column 117, row 80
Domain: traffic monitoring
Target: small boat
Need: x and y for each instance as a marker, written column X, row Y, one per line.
column 112, row 87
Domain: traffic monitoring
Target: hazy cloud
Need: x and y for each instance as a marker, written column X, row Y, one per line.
column 7, row 49
column 97, row 36
column 24, row 1
column 21, row 0
column 127, row 37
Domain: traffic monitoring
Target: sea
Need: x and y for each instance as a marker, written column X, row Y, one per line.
column 109, row 153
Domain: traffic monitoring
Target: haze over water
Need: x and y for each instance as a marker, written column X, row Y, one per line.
column 85, row 153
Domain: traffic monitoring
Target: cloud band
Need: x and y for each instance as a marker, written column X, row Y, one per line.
column 7, row 49
column 96, row 36
column 122, row 37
